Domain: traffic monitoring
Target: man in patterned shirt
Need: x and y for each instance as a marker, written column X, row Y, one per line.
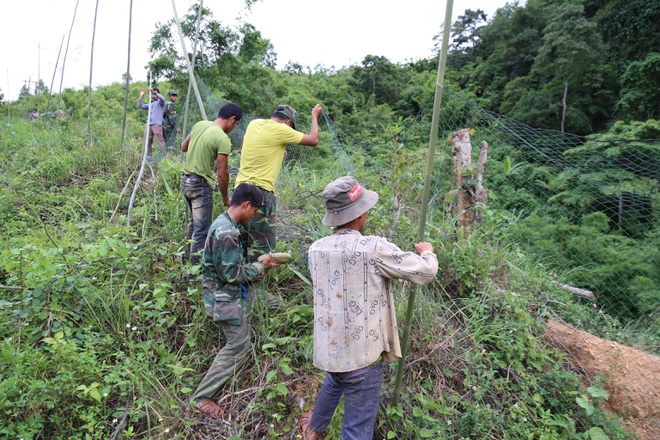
column 355, row 327
column 226, row 296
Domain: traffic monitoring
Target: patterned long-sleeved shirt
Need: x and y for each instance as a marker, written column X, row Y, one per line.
column 224, row 266
column 157, row 108
column 354, row 314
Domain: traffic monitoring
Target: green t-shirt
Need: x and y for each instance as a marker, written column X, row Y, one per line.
column 207, row 140
column 263, row 152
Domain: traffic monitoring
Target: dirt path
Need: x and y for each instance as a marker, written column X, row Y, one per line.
column 632, row 376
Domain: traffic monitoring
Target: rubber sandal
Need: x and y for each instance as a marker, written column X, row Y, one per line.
column 211, row 409
column 307, row 433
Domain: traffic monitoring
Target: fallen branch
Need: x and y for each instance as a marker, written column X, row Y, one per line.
column 576, row 290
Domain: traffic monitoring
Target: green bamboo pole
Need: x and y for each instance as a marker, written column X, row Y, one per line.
column 194, row 55
column 91, row 68
column 200, row 103
column 52, row 81
column 128, row 73
column 442, row 61
column 66, row 51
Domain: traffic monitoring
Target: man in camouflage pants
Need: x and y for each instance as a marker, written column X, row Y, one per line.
column 226, row 295
column 169, row 119
column 262, row 154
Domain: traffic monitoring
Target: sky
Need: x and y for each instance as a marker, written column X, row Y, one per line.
column 336, row 34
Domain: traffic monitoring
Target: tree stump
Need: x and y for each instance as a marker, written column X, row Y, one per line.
column 470, row 193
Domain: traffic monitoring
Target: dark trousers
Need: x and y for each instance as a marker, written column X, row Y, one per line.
column 361, row 390
column 199, row 204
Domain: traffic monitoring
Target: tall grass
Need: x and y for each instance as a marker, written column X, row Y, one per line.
column 104, row 333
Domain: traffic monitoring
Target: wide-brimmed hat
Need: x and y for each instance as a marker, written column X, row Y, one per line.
column 345, row 200
column 288, row 112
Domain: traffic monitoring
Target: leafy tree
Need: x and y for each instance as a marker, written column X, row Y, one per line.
column 570, row 59
column 464, row 36
column 465, row 30
column 24, row 92
column 40, row 87
column 619, row 176
column 378, row 79
column 241, row 62
column 506, row 50
column 2, row 96
column 640, row 92
column 630, row 28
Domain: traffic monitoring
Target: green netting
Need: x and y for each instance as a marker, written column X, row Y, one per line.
column 585, row 208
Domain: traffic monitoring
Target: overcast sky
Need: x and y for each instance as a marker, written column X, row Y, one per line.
column 337, row 33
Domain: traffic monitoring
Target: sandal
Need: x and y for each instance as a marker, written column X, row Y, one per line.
column 307, row 433
column 211, row 409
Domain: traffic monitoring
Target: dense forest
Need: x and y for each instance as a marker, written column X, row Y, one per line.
column 102, row 327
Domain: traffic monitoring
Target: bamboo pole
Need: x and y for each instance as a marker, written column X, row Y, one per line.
column 52, row 81
column 128, row 73
column 190, row 68
column 442, row 61
column 144, row 160
column 68, row 40
column 194, row 55
column 91, row 68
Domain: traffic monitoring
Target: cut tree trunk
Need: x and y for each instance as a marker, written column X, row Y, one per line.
column 470, row 193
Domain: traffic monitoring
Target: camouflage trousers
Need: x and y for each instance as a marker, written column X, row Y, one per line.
column 169, row 139
column 258, row 236
column 229, row 359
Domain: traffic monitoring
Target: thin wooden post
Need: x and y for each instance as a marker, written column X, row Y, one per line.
column 190, row 68
column 194, row 55
column 128, row 73
column 52, row 81
column 73, row 20
column 91, row 68
column 442, row 61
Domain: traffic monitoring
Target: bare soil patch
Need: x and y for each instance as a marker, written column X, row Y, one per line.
column 632, row 376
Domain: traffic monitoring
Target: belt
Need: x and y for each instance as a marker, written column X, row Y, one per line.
column 263, row 189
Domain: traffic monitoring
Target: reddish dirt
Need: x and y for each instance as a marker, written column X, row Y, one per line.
column 632, row 376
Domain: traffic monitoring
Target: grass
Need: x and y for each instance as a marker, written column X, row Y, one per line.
column 104, row 333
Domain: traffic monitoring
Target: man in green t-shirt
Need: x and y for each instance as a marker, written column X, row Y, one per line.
column 262, row 154
column 207, row 147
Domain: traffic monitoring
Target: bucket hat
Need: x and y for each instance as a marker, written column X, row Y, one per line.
column 345, row 200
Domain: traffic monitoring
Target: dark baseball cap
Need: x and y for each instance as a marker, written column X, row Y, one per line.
column 288, row 112
column 172, row 92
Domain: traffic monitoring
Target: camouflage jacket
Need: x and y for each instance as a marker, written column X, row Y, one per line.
column 224, row 265
column 169, row 116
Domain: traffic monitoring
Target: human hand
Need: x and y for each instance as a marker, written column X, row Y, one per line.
column 141, row 93
column 226, row 201
column 423, row 246
column 178, row 130
column 316, row 111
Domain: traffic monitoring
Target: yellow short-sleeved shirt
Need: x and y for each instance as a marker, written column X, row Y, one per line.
column 263, row 152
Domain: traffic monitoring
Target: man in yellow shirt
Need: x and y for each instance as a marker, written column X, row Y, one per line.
column 262, row 154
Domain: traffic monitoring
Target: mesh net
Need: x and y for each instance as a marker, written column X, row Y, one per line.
column 583, row 207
